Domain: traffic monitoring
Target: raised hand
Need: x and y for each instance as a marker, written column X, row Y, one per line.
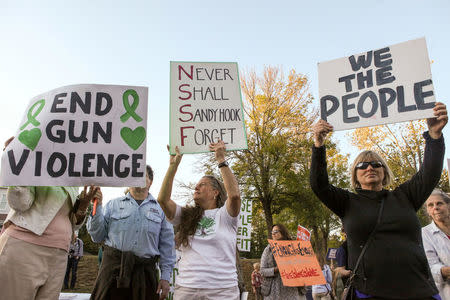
column 436, row 124
column 320, row 131
column 219, row 150
column 175, row 159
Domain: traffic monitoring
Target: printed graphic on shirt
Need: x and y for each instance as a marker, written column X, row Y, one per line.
column 205, row 227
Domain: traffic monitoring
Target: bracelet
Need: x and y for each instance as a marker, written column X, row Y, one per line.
column 223, row 164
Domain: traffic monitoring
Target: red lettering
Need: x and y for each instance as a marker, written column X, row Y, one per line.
column 191, row 76
column 184, row 136
column 183, row 91
column 186, row 112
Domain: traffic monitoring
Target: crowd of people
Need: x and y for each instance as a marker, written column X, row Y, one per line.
column 383, row 257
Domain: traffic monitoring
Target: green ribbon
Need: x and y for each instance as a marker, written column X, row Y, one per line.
column 130, row 110
column 31, row 116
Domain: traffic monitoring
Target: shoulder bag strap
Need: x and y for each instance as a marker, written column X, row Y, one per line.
column 372, row 234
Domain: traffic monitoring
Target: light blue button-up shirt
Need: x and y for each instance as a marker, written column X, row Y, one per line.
column 143, row 230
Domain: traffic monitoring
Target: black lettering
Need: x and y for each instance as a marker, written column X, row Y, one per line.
column 324, row 112
column 401, row 101
column 57, row 101
column 360, row 78
column 383, row 75
column 17, row 168
column 118, row 171
column 104, row 166
column 87, row 164
column 84, row 105
column 135, row 165
column 384, row 102
column 381, row 58
column 363, row 61
column 51, row 164
column 71, row 171
column 226, row 73
column 38, row 164
column 99, row 103
column 346, row 107
column 98, row 130
column 348, row 82
column 60, row 136
column 367, row 95
column 82, row 137
column 420, row 95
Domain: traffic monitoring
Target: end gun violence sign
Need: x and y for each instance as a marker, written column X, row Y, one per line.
column 297, row 263
column 205, row 106
column 80, row 135
column 382, row 86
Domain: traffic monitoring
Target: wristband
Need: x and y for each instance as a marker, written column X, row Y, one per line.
column 223, row 164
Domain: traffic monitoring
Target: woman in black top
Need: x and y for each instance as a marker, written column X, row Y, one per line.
column 394, row 265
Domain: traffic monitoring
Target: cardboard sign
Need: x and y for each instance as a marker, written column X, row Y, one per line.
column 297, row 263
column 331, row 254
column 382, row 86
column 205, row 106
column 244, row 230
column 80, row 135
column 303, row 234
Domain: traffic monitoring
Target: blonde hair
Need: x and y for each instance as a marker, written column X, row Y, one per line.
column 369, row 155
column 257, row 265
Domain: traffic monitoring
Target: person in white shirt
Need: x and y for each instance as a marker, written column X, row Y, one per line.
column 206, row 232
column 436, row 240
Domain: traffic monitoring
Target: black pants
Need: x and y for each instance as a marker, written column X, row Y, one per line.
column 72, row 263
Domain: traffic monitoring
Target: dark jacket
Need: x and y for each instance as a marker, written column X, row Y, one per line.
column 394, row 265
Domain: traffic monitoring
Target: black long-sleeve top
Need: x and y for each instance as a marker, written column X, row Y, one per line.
column 394, row 265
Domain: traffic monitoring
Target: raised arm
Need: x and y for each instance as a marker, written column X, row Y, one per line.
column 167, row 204
column 229, row 180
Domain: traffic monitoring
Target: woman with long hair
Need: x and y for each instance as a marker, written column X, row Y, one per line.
column 273, row 288
column 206, row 232
column 394, row 265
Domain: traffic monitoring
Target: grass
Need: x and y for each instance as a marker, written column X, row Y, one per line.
column 88, row 267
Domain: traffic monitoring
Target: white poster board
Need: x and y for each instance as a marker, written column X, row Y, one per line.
column 80, row 135
column 382, row 86
column 244, row 232
column 205, row 106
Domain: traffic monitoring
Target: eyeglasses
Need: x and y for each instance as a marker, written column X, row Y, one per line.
column 364, row 164
column 275, row 231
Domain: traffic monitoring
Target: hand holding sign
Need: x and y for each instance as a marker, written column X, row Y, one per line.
column 175, row 159
column 86, row 196
column 320, row 131
column 219, row 150
column 436, row 124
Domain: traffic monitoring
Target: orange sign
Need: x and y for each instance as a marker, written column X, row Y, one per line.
column 296, row 263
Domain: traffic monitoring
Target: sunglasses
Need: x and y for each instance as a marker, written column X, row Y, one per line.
column 364, row 164
column 275, row 231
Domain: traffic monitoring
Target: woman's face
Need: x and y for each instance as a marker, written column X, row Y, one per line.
column 370, row 174
column 205, row 194
column 276, row 233
column 437, row 208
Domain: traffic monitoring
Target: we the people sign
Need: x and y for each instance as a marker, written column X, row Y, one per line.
column 297, row 263
column 80, row 135
column 205, row 106
column 387, row 85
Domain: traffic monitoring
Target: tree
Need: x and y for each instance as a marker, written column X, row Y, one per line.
column 278, row 118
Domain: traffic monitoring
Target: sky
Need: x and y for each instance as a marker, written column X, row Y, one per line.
column 49, row 44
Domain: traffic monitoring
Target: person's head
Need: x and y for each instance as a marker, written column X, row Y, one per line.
column 148, row 182
column 280, row 232
column 370, row 170
column 438, row 206
column 256, row 266
column 209, row 193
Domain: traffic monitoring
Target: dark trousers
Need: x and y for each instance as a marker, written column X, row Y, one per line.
column 115, row 293
column 72, row 263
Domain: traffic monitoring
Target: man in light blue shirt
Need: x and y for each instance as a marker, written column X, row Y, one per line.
column 135, row 234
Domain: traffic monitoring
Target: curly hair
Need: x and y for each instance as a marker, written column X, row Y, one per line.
column 191, row 215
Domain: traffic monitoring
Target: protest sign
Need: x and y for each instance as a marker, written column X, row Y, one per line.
column 297, row 263
column 331, row 254
column 205, row 106
column 388, row 85
column 303, row 234
column 80, row 135
column 244, row 231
